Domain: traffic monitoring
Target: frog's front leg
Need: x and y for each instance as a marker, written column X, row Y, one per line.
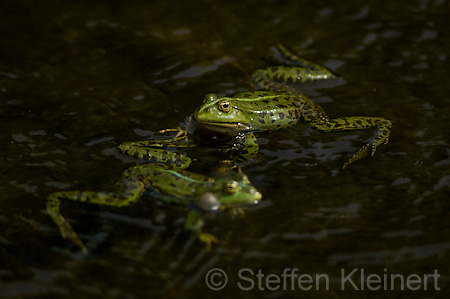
column 129, row 191
column 251, row 147
column 247, row 150
column 384, row 125
column 194, row 223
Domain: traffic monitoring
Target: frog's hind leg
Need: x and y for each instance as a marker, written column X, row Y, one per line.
column 53, row 210
column 129, row 191
column 295, row 69
column 357, row 123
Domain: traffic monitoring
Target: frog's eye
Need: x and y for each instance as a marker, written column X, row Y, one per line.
column 232, row 187
column 225, row 106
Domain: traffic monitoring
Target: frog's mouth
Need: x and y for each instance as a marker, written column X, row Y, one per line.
column 223, row 127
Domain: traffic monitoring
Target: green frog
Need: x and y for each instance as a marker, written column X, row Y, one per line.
column 276, row 106
column 175, row 185
column 279, row 106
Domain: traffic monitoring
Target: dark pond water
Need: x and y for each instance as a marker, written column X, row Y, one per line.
column 79, row 77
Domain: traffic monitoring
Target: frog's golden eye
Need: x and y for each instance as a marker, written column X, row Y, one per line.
column 232, row 187
column 225, row 106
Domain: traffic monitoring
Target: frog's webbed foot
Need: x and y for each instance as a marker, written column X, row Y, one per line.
column 194, row 222
column 361, row 153
column 366, row 150
column 322, row 123
column 384, row 130
column 208, row 239
column 68, row 233
column 181, row 133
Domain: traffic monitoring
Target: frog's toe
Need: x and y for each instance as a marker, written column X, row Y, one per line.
column 374, row 148
column 68, row 233
column 361, row 153
column 182, row 134
column 168, row 130
column 208, row 239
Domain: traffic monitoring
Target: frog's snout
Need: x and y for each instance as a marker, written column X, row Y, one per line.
column 258, row 197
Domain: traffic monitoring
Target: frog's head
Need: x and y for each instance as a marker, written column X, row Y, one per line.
column 222, row 114
column 236, row 192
